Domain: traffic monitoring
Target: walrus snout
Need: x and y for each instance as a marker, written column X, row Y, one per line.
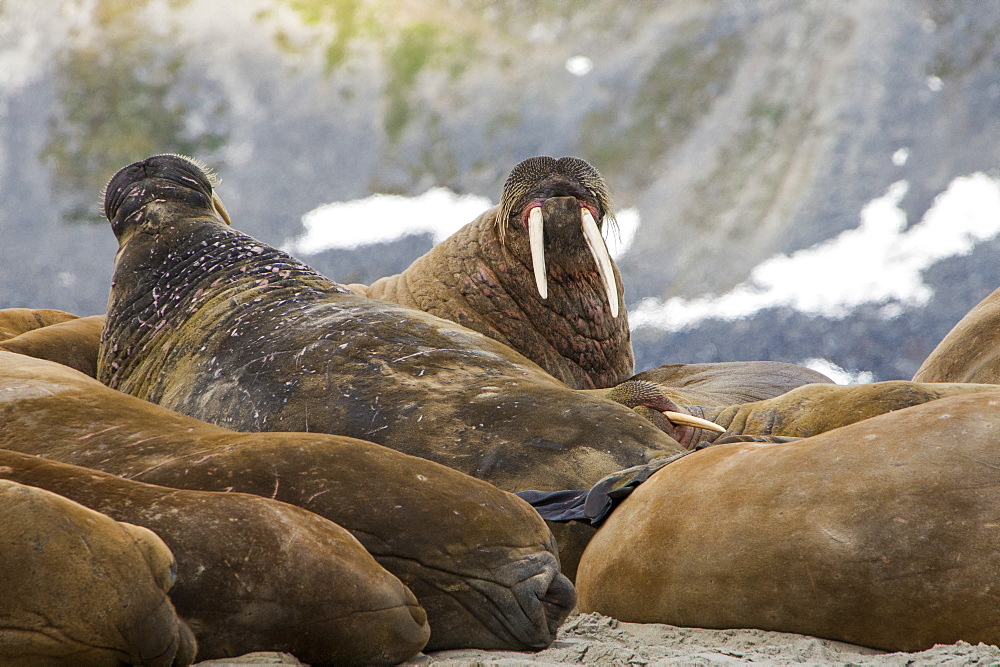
column 516, row 602
column 540, row 594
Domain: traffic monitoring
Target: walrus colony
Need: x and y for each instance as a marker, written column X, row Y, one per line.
column 162, row 222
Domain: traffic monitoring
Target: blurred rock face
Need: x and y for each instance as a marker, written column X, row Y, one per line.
column 738, row 130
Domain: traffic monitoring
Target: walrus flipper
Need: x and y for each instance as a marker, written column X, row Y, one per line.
column 595, row 504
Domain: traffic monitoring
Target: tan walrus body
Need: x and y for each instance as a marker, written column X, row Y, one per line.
column 16, row 321
column 253, row 574
column 883, row 533
column 480, row 561
column 77, row 587
column 817, row 408
column 970, row 352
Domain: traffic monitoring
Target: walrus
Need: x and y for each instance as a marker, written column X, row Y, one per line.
column 970, row 352
column 15, row 321
column 253, row 574
column 73, row 342
column 480, row 561
column 209, row 322
column 882, row 533
column 77, row 587
column 816, row 408
column 533, row 273
column 726, row 383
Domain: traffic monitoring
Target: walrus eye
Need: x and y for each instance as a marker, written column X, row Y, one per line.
column 220, row 209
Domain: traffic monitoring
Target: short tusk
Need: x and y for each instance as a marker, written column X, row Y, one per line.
column 536, row 239
column 691, row 420
column 600, row 252
column 220, row 208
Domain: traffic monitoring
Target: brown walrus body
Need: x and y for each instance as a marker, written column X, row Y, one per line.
column 206, row 321
column 72, row 342
column 77, row 587
column 970, row 352
column 253, row 574
column 480, row 561
column 883, row 533
column 482, row 276
column 15, row 321
column 817, row 408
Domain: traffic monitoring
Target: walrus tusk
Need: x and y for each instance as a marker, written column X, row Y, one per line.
column 600, row 252
column 536, row 240
column 220, row 208
column 691, row 420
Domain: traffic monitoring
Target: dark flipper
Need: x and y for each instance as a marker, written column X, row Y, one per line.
column 594, row 505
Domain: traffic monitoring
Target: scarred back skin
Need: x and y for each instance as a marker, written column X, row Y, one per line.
column 481, row 277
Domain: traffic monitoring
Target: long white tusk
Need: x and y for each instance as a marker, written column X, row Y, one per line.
column 220, row 208
column 536, row 240
column 691, row 420
column 600, row 252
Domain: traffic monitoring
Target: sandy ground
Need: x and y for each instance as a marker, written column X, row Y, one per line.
column 592, row 639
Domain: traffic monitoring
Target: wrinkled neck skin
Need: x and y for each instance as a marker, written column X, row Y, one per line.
column 571, row 333
column 166, row 265
column 574, row 320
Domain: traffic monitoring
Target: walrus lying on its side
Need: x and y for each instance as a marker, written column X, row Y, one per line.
column 817, row 408
column 533, row 273
column 15, row 321
column 253, row 574
column 480, row 561
column 77, row 587
column 883, row 533
column 73, row 342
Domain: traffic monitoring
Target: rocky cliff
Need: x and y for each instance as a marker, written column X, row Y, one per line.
column 738, row 130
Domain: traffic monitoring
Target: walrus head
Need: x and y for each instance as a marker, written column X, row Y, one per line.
column 648, row 399
column 173, row 178
column 560, row 204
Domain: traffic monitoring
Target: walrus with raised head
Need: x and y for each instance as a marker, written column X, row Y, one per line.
column 207, row 321
column 533, row 273
column 77, row 587
column 253, row 574
column 883, row 533
column 480, row 561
